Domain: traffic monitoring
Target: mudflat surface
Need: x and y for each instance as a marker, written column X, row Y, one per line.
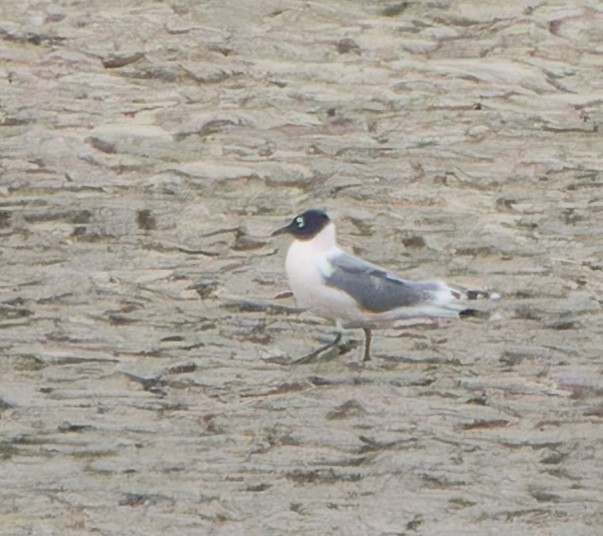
column 147, row 149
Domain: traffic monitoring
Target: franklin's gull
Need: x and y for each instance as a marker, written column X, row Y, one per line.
column 353, row 292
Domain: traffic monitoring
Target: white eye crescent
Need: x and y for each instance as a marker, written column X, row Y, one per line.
column 300, row 222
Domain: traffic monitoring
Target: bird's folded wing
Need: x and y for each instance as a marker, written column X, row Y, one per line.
column 375, row 289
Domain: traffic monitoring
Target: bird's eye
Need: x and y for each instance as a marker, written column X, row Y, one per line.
column 300, row 222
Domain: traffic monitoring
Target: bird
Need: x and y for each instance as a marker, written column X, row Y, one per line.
column 355, row 293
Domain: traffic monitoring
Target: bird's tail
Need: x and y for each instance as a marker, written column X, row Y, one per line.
column 459, row 300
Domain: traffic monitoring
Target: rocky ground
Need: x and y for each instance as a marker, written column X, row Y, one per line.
column 147, row 149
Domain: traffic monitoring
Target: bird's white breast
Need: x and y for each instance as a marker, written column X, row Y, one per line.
column 307, row 266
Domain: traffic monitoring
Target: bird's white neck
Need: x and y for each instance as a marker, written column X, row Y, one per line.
column 308, row 258
column 323, row 242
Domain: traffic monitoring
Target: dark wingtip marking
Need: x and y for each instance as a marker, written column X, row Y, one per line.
column 474, row 313
column 477, row 294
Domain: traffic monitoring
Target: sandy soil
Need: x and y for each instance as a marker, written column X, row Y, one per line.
column 147, row 150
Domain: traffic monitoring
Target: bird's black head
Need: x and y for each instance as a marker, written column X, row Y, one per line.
column 305, row 226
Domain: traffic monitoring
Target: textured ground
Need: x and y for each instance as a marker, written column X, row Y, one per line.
column 148, row 148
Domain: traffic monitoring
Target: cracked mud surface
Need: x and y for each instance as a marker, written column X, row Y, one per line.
column 146, row 153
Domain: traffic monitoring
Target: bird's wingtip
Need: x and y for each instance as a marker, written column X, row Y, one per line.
column 483, row 294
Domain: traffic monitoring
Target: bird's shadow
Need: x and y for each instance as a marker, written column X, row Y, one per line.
column 329, row 351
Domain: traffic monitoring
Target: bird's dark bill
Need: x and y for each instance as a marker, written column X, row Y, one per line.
column 282, row 230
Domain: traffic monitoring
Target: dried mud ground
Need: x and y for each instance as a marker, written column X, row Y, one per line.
column 147, row 149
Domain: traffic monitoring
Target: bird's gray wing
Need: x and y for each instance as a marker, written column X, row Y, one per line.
column 375, row 289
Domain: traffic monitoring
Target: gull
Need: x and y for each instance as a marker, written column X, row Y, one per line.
column 354, row 293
